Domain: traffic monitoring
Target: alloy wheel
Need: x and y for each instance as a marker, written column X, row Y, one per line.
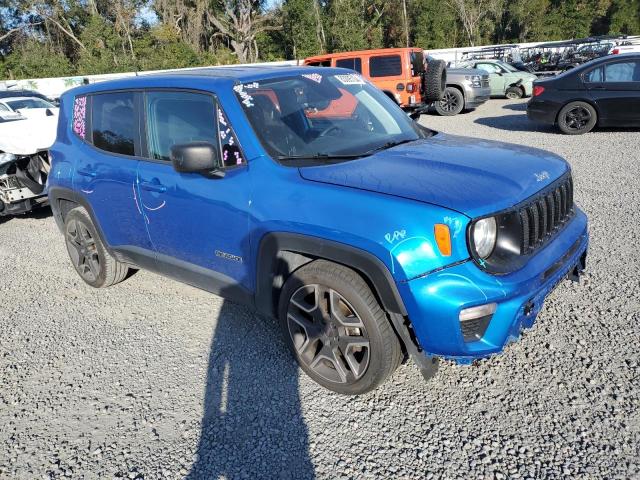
column 328, row 335
column 449, row 102
column 577, row 118
column 83, row 250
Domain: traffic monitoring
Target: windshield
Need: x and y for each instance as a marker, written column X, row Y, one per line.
column 324, row 115
column 507, row 67
column 29, row 103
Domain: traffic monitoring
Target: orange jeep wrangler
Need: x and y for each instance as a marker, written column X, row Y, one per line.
column 401, row 73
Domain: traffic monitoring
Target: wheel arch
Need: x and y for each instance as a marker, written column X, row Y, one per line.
column 280, row 254
column 461, row 90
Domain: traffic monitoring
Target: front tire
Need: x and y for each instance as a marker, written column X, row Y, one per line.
column 451, row 103
column 514, row 93
column 336, row 330
column 576, row 118
column 95, row 265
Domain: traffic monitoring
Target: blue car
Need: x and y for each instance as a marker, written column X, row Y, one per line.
column 308, row 194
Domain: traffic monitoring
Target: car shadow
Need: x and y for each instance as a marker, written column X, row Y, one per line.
column 518, row 107
column 252, row 424
column 38, row 213
column 514, row 123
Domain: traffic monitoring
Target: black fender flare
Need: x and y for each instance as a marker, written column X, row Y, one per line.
column 56, row 194
column 368, row 265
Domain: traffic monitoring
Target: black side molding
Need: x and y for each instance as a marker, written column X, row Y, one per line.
column 365, row 263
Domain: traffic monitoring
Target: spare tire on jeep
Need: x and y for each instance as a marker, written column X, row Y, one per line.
column 435, row 80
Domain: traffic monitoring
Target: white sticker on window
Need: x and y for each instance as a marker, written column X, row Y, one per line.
column 247, row 99
column 316, row 77
column 350, row 79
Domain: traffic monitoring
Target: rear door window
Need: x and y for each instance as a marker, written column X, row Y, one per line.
column 114, row 122
column 350, row 63
column 385, row 66
column 622, row 72
column 174, row 118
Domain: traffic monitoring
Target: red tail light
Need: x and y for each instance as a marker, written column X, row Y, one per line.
column 537, row 90
column 615, row 51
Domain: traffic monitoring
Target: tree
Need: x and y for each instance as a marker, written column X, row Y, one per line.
column 304, row 27
column 433, row 24
column 473, row 14
column 239, row 24
column 33, row 59
column 356, row 24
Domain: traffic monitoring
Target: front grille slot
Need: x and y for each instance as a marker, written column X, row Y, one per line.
column 543, row 216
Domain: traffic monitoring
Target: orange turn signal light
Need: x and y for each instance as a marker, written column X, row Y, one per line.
column 443, row 239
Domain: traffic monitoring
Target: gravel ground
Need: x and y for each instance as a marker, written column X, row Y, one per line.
column 154, row 379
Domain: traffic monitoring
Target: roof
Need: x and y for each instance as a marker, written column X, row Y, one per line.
column 377, row 51
column 203, row 78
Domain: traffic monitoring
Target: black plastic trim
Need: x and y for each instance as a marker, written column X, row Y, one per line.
column 370, row 266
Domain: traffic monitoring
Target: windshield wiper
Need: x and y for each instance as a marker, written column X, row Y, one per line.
column 319, row 156
column 390, row 145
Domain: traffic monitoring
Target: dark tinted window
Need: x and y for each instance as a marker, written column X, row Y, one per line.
column 594, row 75
column 622, row 72
column 351, row 63
column 417, row 63
column 113, row 122
column 385, row 66
column 178, row 117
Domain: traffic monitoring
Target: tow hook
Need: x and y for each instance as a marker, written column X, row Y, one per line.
column 528, row 308
column 578, row 269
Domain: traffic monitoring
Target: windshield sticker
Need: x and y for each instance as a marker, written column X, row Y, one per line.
column 246, row 99
column 231, row 154
column 316, row 77
column 79, row 113
column 350, row 79
column 252, row 85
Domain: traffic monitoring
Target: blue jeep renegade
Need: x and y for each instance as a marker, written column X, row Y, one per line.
column 308, row 194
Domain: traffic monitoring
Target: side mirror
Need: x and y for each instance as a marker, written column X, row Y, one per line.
column 197, row 157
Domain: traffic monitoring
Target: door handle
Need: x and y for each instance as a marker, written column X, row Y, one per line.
column 153, row 187
column 87, row 173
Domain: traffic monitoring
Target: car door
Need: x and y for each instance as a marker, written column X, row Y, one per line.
column 106, row 167
column 615, row 87
column 496, row 79
column 197, row 223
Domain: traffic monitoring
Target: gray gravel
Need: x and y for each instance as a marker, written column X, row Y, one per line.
column 154, row 379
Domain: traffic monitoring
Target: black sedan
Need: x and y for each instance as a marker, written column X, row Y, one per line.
column 604, row 92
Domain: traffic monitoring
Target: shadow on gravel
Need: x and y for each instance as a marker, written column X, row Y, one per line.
column 252, row 426
column 519, row 107
column 38, row 213
column 514, row 123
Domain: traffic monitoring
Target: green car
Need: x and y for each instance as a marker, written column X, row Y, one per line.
column 504, row 79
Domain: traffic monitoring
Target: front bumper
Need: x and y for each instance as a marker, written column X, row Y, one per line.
column 434, row 301
column 474, row 97
column 22, row 206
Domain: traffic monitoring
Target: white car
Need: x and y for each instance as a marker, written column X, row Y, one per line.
column 618, row 49
column 28, row 107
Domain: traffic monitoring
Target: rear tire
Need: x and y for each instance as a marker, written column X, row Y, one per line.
column 336, row 329
column 451, row 103
column 435, row 80
column 95, row 265
column 576, row 118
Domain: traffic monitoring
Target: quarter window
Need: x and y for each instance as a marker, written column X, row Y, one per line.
column 174, row 118
column 622, row 72
column 351, row 63
column 113, row 122
column 231, row 153
column 594, row 75
column 385, row 66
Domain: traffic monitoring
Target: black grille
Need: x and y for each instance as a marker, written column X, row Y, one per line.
column 473, row 330
column 543, row 216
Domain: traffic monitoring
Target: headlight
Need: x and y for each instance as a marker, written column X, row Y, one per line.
column 476, row 80
column 484, row 236
column 6, row 158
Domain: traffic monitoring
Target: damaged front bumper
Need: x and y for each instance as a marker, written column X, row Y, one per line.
column 22, row 182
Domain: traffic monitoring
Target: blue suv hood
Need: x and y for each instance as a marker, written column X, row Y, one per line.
column 475, row 177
